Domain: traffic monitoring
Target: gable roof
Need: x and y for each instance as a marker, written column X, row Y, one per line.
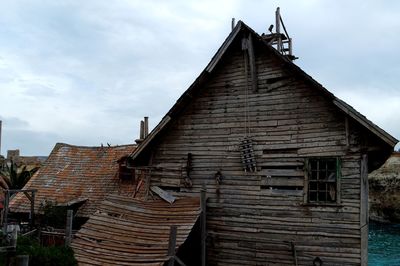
column 76, row 174
column 242, row 27
column 133, row 232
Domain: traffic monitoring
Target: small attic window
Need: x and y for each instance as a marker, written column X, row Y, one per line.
column 125, row 172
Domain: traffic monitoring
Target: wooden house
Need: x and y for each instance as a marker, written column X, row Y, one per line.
column 285, row 162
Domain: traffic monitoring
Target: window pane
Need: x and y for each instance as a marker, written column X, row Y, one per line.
column 322, row 196
column 313, row 186
column 322, row 180
column 332, row 176
column 332, row 192
column 313, row 196
column 331, row 165
column 322, row 165
column 322, row 175
column 314, row 175
column 313, row 164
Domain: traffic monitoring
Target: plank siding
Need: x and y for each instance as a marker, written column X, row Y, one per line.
column 289, row 121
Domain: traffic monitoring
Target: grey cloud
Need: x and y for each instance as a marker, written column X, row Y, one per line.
column 87, row 72
column 14, row 122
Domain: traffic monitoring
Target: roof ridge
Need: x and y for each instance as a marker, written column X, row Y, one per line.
column 61, row 144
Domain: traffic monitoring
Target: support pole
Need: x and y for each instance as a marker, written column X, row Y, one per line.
column 278, row 29
column 32, row 220
column 294, row 252
column 68, row 228
column 141, row 135
column 5, row 217
column 171, row 245
column 203, row 202
column 146, row 126
column 252, row 59
column 346, row 125
column 364, row 218
column 0, row 136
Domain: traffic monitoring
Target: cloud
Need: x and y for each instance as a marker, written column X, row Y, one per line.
column 86, row 72
column 384, row 114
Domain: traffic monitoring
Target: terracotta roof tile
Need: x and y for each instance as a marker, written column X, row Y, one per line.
column 76, row 172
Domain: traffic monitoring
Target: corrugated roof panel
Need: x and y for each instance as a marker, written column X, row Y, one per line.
column 132, row 232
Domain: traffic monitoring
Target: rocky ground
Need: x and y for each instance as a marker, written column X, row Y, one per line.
column 384, row 191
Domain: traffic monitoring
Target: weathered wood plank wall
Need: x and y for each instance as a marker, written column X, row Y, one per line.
column 248, row 222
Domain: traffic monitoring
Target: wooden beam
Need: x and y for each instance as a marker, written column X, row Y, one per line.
column 12, row 191
column 32, row 214
column 277, row 20
column 163, row 194
column 171, row 245
column 294, row 252
column 28, row 196
column 157, row 129
column 203, row 203
column 217, row 57
column 141, row 135
column 146, row 126
column 346, row 125
column 364, row 209
column 68, row 228
column 5, row 217
column 365, row 122
column 179, row 261
column 278, row 29
column 364, row 245
column 364, row 191
column 252, row 61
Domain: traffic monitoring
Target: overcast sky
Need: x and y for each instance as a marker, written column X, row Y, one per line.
column 86, row 72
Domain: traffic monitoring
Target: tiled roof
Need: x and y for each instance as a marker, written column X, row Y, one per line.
column 72, row 173
column 132, row 232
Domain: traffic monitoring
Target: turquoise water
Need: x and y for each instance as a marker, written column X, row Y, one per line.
column 384, row 244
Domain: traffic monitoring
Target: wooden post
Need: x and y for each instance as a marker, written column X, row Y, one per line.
column 253, row 71
column 364, row 190
column 171, row 245
column 294, row 252
column 14, row 236
column 203, row 203
column 277, row 20
column 141, row 135
column 0, row 137
column 68, row 228
column 346, row 126
column 278, row 29
column 364, row 210
column 5, row 217
column 146, row 126
column 32, row 220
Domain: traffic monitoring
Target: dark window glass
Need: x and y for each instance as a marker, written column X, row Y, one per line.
column 322, row 180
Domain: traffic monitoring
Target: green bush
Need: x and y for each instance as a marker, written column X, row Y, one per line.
column 53, row 215
column 46, row 256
